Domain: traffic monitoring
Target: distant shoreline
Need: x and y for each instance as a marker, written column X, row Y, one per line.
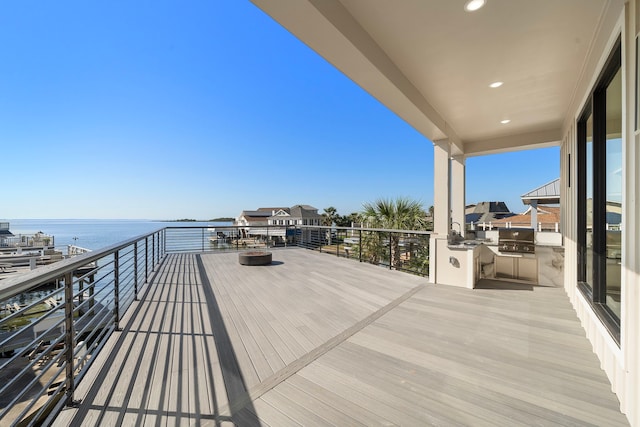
column 223, row 219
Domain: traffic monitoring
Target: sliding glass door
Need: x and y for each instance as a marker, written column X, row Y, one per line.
column 600, row 177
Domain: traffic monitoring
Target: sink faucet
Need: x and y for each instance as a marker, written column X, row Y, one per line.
column 454, row 236
column 459, row 227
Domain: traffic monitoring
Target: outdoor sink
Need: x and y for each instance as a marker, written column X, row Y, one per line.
column 455, row 238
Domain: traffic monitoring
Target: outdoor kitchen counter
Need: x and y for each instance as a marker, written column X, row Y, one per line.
column 459, row 264
column 466, row 262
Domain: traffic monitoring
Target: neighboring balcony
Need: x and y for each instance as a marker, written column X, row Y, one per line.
column 169, row 328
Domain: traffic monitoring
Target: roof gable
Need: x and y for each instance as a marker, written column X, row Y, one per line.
column 548, row 193
column 281, row 212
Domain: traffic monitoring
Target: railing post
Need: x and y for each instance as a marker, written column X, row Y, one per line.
column 390, row 252
column 68, row 336
column 135, row 271
column 360, row 244
column 116, row 288
column 202, row 239
column 146, row 259
column 92, row 290
column 153, row 252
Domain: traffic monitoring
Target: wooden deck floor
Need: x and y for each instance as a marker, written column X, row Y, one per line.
column 318, row 340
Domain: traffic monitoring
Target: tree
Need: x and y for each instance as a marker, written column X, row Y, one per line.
column 399, row 214
column 329, row 216
column 430, row 218
column 347, row 220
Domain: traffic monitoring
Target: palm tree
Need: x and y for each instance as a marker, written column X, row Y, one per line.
column 329, row 216
column 399, row 214
column 347, row 220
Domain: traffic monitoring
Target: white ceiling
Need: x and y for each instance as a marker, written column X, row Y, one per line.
column 432, row 62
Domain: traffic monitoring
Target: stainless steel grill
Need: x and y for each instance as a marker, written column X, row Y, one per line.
column 516, row 240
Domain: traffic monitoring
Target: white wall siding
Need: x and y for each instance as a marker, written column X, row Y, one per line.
column 621, row 363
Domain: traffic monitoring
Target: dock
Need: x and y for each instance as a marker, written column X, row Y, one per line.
column 318, row 340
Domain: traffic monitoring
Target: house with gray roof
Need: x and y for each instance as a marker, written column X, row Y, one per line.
column 486, row 212
column 257, row 220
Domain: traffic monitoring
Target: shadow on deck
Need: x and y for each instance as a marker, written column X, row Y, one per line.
column 319, row 340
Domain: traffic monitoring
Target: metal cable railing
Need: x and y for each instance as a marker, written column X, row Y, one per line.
column 404, row 250
column 55, row 320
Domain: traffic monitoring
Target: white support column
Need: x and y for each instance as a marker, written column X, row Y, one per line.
column 458, row 178
column 534, row 214
column 441, row 187
column 441, row 205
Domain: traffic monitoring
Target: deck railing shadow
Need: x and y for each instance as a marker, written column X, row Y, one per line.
column 125, row 340
column 235, row 384
column 136, row 343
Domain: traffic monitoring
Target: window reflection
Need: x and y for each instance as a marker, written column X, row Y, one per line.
column 613, row 218
column 589, row 213
column 600, row 184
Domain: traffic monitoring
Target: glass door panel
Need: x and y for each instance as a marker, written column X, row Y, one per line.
column 589, row 197
column 614, row 175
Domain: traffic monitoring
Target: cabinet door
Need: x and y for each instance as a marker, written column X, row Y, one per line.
column 528, row 269
column 505, row 267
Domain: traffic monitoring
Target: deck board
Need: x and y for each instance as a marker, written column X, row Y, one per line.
column 318, row 340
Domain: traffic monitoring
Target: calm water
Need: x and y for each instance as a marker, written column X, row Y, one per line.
column 91, row 234
column 94, row 233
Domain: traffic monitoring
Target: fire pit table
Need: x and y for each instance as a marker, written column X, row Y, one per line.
column 254, row 258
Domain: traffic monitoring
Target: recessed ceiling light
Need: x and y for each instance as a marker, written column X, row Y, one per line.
column 495, row 84
column 473, row 5
column 505, row 121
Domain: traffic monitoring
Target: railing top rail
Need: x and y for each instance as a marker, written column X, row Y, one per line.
column 384, row 230
column 16, row 285
column 319, row 227
column 201, row 226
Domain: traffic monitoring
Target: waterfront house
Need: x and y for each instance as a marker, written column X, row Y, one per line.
column 512, row 76
column 252, row 218
column 249, row 220
column 253, row 221
column 296, row 215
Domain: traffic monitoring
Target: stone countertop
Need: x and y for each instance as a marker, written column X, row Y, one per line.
column 466, row 244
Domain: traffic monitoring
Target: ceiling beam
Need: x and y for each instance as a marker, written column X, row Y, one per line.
column 523, row 141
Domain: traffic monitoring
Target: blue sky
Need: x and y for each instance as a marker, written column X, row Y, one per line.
column 200, row 109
